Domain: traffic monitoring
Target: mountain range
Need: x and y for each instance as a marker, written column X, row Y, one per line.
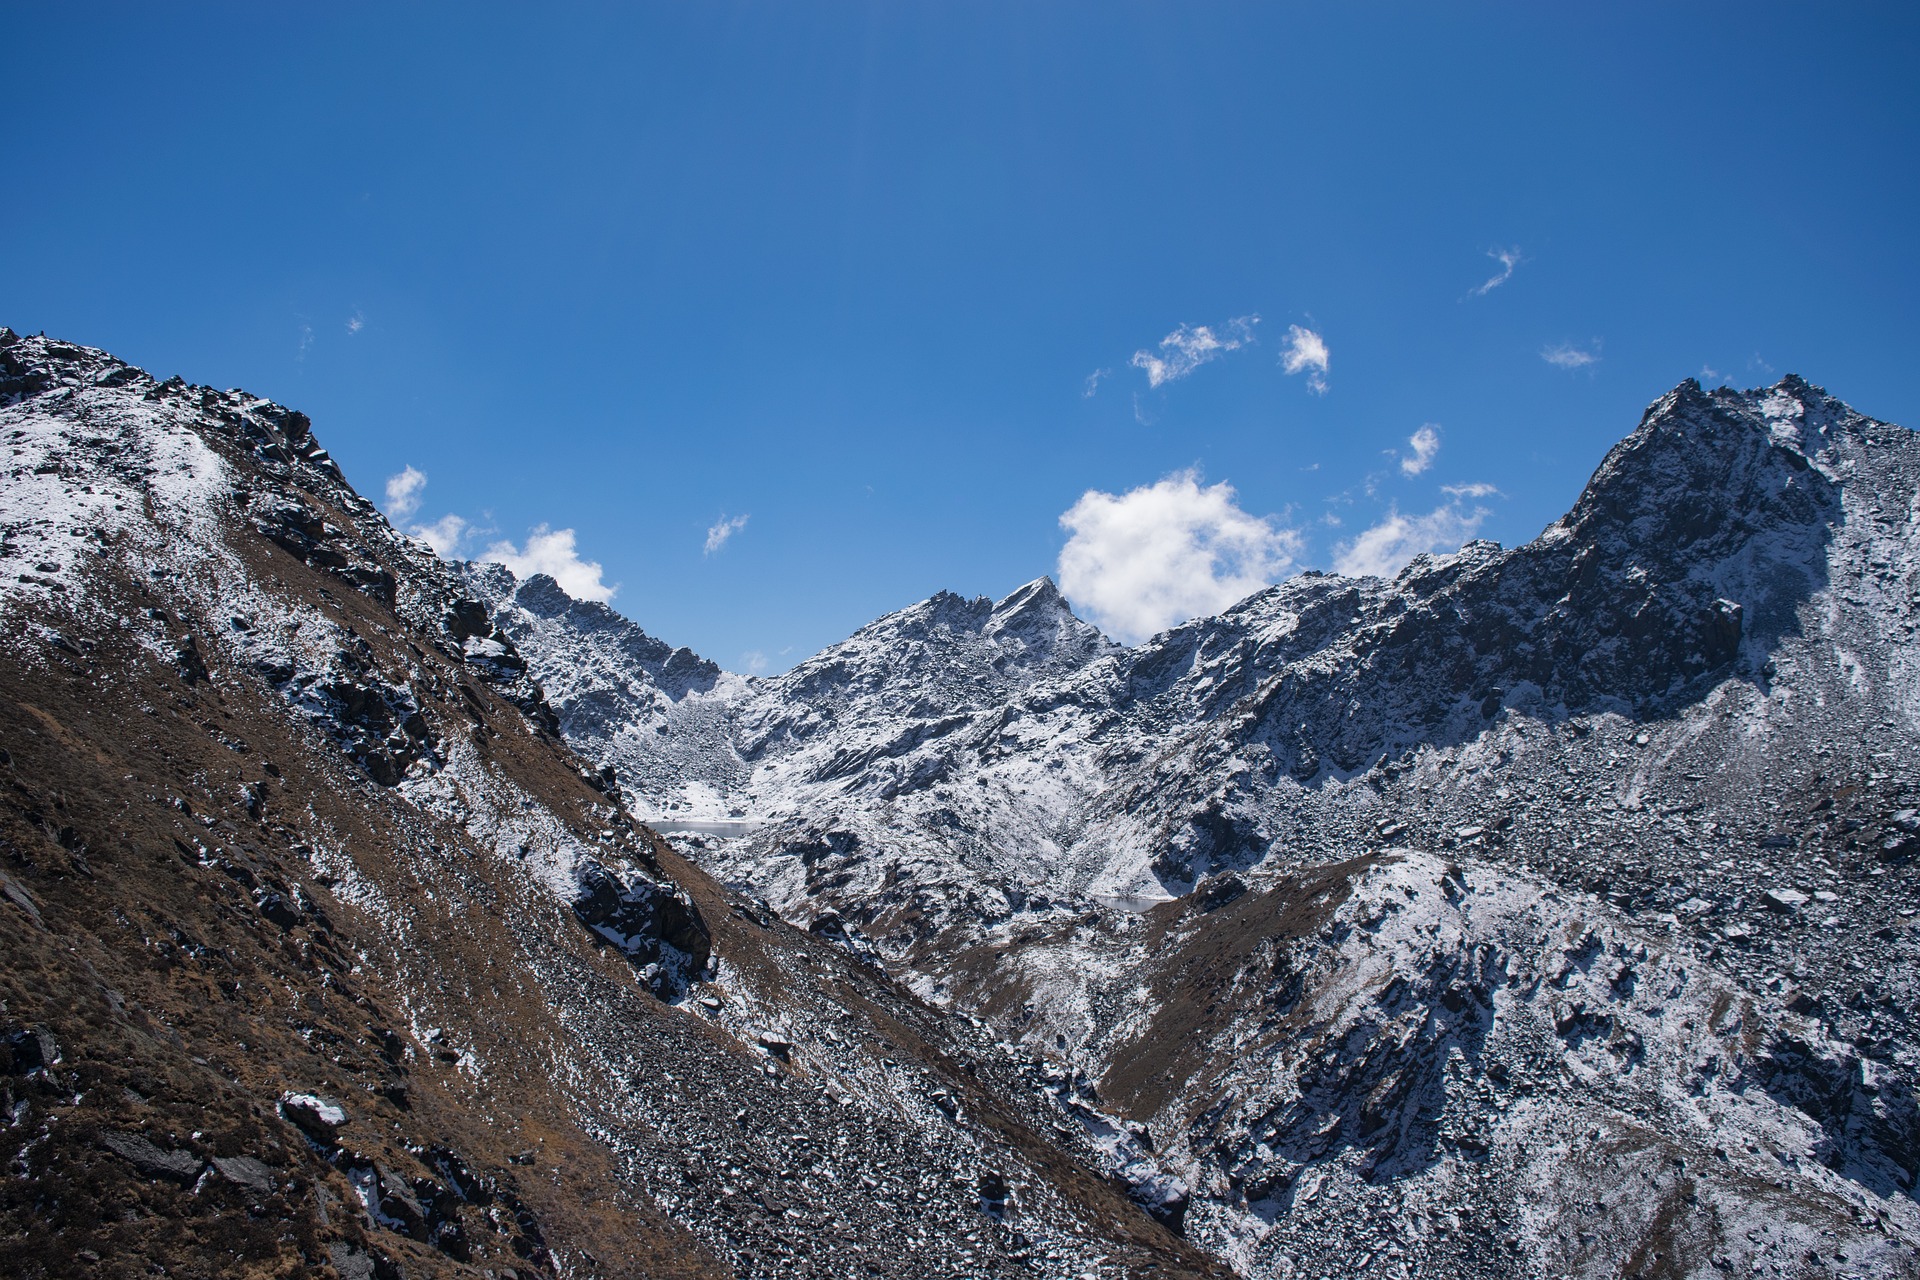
column 1544, row 911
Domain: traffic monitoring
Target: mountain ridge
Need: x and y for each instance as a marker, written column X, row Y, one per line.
column 1673, row 728
column 1537, row 912
column 326, row 956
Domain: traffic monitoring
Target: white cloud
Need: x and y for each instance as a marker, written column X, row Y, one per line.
column 1710, row 375
column 718, row 534
column 753, row 661
column 1145, row 560
column 306, row 341
column 356, row 323
column 1425, row 443
column 1306, row 351
column 444, row 535
column 1385, row 549
column 1565, row 355
column 1508, row 260
column 403, row 492
column 1190, row 346
column 549, row 551
column 1093, row 383
column 552, row 552
column 1478, row 489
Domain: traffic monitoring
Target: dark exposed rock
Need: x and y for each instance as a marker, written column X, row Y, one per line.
column 153, row 1161
column 29, row 1049
column 317, row 1117
column 653, row 923
column 245, row 1171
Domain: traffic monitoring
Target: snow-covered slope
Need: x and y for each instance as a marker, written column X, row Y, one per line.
column 1674, row 734
column 322, row 954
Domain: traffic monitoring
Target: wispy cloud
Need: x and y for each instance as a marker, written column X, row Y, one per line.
column 403, row 492
column 1425, row 443
column 356, row 322
column 1306, row 351
column 718, row 534
column 1508, row 260
column 554, row 553
column 1478, row 489
column 1384, row 549
column 1710, row 375
column 1142, row 561
column 1093, row 383
column 547, row 550
column 1190, row 346
column 306, row 341
column 446, row 535
column 1565, row 355
column 753, row 661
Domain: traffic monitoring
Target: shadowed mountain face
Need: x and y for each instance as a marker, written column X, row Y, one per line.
column 324, row 955
column 1539, row 911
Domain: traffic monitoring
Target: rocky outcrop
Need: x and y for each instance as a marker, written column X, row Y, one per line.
column 654, row 924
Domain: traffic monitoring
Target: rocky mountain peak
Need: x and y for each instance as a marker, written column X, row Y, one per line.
column 1716, row 467
column 1037, row 622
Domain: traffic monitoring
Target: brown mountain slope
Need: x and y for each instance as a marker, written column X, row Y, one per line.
column 323, row 955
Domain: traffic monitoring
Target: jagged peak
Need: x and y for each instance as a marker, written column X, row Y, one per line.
column 1042, row 587
column 1040, row 596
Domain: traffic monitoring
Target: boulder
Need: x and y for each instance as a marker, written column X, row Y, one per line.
column 313, row 1115
column 651, row 921
column 244, row 1171
column 150, row 1160
column 29, row 1049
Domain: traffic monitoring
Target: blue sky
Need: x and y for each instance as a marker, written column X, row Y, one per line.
column 788, row 312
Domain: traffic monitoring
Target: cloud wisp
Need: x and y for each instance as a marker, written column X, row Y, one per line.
column 1425, row 444
column 554, row 553
column 403, row 492
column 718, row 534
column 1564, row 355
column 1306, row 352
column 1384, row 549
column 550, row 551
column 1189, row 347
column 1150, row 558
column 356, row 323
column 446, row 535
column 1508, row 260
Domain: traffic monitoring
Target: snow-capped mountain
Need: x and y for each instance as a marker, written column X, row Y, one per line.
column 325, row 956
column 1544, row 910
column 1539, row 912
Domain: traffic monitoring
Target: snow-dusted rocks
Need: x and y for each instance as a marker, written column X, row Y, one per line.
column 654, row 924
column 1636, row 799
column 1545, row 911
column 353, row 963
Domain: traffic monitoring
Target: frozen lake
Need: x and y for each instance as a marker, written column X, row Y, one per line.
column 727, row 827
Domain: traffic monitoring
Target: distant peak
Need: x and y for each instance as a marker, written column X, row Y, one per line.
column 1039, row 593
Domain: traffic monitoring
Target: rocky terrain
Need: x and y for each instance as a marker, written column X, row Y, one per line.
column 1540, row 912
column 1545, row 911
column 325, row 955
